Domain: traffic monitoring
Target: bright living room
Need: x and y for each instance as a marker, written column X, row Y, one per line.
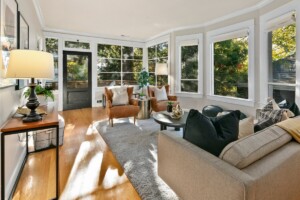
column 203, row 30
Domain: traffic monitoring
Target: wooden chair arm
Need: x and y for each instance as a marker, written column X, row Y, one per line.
column 134, row 102
column 108, row 103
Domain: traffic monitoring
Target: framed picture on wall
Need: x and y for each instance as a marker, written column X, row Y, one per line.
column 9, row 33
column 23, row 43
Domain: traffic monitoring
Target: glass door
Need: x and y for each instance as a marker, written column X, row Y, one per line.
column 76, row 80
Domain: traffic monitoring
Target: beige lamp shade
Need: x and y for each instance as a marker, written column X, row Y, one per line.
column 161, row 69
column 30, row 64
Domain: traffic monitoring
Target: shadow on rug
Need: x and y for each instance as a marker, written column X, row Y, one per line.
column 135, row 147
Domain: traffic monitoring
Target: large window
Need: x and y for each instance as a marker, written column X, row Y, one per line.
column 231, row 61
column 118, row 65
column 231, row 67
column 282, row 58
column 52, row 47
column 157, row 54
column 189, row 63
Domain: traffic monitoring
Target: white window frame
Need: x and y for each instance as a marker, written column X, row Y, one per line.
column 188, row 40
column 224, row 34
column 156, row 41
column 264, row 63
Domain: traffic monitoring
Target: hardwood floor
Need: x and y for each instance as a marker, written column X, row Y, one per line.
column 88, row 168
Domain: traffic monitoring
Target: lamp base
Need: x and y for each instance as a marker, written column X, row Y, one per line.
column 32, row 104
column 35, row 118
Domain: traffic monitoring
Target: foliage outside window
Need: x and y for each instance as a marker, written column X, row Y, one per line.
column 189, row 68
column 118, row 65
column 77, row 71
column 282, row 68
column 231, row 67
column 77, row 45
column 52, row 47
column 157, row 54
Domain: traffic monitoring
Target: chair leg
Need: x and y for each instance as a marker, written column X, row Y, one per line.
column 134, row 118
column 112, row 122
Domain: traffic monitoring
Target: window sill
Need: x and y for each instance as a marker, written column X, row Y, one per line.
column 189, row 94
column 232, row 100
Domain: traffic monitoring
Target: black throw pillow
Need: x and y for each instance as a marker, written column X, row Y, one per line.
column 263, row 124
column 211, row 134
column 294, row 108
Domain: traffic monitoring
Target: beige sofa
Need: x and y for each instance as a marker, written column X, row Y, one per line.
column 194, row 174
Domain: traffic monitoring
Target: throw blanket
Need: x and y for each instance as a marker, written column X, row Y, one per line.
column 292, row 126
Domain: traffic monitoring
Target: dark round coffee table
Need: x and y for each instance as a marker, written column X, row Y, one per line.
column 166, row 121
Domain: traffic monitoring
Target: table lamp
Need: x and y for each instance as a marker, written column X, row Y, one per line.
column 161, row 69
column 24, row 64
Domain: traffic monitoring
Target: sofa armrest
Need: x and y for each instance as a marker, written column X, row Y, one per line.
column 172, row 98
column 192, row 172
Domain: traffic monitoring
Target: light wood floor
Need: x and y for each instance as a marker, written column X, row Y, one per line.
column 88, row 169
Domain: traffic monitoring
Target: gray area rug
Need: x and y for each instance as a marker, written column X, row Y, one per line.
column 135, row 147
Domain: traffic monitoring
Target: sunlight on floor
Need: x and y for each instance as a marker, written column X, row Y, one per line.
column 84, row 176
column 112, row 178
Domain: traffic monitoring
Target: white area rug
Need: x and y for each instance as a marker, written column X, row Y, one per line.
column 135, row 147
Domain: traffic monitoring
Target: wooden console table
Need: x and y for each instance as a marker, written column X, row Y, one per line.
column 15, row 126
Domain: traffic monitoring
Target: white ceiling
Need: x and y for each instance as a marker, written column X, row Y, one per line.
column 136, row 19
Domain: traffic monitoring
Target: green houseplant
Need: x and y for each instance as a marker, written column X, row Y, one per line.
column 143, row 80
column 170, row 106
column 40, row 90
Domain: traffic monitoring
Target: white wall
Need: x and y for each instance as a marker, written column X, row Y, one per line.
column 11, row 99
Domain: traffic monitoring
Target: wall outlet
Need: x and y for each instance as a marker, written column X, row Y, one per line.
column 99, row 101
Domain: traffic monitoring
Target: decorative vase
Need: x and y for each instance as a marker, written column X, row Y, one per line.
column 169, row 108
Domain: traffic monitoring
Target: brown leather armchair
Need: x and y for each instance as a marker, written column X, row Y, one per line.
column 158, row 106
column 120, row 111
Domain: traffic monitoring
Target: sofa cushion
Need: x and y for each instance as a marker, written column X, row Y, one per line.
column 249, row 149
column 211, row 134
column 246, row 127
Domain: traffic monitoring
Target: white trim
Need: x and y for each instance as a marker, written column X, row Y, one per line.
column 14, row 175
column 158, row 40
column 104, row 36
column 210, row 38
column 187, row 40
column 232, row 100
column 263, row 71
column 189, row 95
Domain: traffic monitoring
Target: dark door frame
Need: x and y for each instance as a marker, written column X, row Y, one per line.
column 65, row 89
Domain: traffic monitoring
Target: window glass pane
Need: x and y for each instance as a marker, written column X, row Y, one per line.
column 280, row 93
column 52, row 47
column 151, row 79
column 138, row 53
column 77, row 71
column 127, row 52
column 132, row 65
column 151, row 66
column 283, row 65
column 109, row 65
column 109, row 51
column 130, row 78
column 162, row 50
column 189, row 62
column 162, row 80
column 151, row 52
column 77, row 45
column 189, row 86
column 109, row 79
column 231, row 67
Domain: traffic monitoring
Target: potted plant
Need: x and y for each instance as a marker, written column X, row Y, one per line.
column 42, row 93
column 143, row 80
column 170, row 106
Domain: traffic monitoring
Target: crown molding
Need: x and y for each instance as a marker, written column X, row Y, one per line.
column 39, row 13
